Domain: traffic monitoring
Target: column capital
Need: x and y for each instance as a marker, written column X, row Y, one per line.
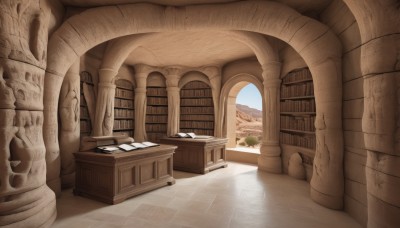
column 173, row 89
column 271, row 70
column 107, row 75
column 173, row 70
column 143, row 69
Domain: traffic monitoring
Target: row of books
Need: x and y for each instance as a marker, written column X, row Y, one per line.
column 298, row 105
column 124, row 113
column 161, row 91
column 199, row 125
column 197, row 117
column 125, row 147
column 197, row 110
column 196, row 85
column 197, row 102
column 123, row 124
column 156, row 119
column 297, row 90
column 155, row 136
column 129, row 94
column 157, row 110
column 125, row 84
column 157, row 101
column 119, row 103
column 196, row 93
column 84, row 113
column 298, row 123
column 85, row 126
column 299, row 75
column 198, row 131
column 156, row 127
column 306, row 141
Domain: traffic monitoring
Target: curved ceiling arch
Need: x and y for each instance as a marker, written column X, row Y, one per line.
column 119, row 49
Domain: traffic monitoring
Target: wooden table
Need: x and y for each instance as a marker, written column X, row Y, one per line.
column 198, row 155
column 112, row 178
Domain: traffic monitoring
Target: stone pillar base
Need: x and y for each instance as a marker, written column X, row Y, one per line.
column 270, row 159
column 55, row 185
column 332, row 202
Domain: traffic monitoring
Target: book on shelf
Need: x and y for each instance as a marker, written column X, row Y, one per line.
column 106, row 149
column 191, row 135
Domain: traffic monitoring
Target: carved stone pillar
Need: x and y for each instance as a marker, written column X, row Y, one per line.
column 25, row 199
column 214, row 75
column 69, row 124
column 142, row 71
column 379, row 23
column 270, row 157
column 104, row 118
column 174, row 101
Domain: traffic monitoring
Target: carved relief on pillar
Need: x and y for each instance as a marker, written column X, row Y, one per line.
column 69, row 111
column 22, row 85
column 104, row 117
column 29, row 43
column 23, row 177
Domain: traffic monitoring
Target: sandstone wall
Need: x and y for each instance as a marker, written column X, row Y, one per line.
column 341, row 20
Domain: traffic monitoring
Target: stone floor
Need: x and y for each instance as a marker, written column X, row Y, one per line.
column 236, row 196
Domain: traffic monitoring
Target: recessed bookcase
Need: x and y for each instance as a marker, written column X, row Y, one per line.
column 86, row 126
column 156, row 113
column 124, row 113
column 298, row 113
column 197, row 108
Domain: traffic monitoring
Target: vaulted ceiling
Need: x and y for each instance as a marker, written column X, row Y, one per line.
column 193, row 49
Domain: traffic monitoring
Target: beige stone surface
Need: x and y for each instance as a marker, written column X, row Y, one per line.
column 69, row 124
column 296, row 168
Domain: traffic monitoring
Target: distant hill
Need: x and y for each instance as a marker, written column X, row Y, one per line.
column 248, row 121
column 255, row 113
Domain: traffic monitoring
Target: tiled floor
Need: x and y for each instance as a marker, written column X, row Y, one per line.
column 237, row 196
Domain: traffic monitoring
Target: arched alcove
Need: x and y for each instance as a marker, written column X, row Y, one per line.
column 313, row 41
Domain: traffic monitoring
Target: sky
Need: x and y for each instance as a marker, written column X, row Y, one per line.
column 250, row 96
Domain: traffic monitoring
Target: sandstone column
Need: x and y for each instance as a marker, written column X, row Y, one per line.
column 174, row 101
column 69, row 124
column 25, row 199
column 141, row 74
column 214, row 75
column 104, row 116
column 379, row 22
column 270, row 158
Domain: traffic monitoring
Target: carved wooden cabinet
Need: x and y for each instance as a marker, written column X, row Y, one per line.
column 198, row 155
column 112, row 178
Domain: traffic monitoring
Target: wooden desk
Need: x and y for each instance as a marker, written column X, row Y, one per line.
column 198, row 155
column 112, row 178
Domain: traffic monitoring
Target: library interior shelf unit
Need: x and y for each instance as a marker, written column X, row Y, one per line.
column 85, row 122
column 156, row 113
column 124, row 112
column 297, row 115
column 112, row 178
column 197, row 109
column 198, row 155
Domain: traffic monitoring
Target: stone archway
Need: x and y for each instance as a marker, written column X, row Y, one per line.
column 318, row 46
column 226, row 91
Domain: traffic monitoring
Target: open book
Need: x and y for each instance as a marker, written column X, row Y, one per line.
column 106, row 149
column 192, row 135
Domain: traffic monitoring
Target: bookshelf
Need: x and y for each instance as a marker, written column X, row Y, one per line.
column 156, row 113
column 124, row 113
column 197, row 108
column 85, row 124
column 297, row 116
